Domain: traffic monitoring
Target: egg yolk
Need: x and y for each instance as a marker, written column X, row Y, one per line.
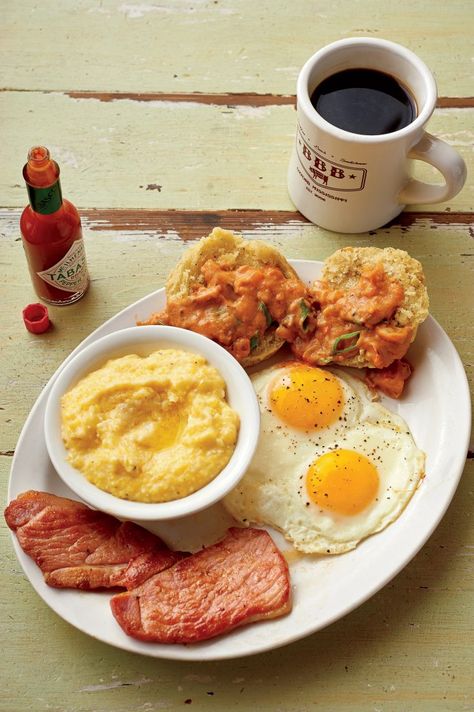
column 306, row 398
column 342, row 481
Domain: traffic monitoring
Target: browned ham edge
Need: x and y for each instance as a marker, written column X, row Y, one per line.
column 78, row 547
column 241, row 579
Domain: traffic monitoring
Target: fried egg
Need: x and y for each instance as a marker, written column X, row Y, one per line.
column 332, row 465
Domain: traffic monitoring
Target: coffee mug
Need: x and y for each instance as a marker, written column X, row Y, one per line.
column 348, row 181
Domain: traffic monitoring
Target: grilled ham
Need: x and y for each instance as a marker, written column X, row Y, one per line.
column 78, row 547
column 240, row 579
column 171, row 597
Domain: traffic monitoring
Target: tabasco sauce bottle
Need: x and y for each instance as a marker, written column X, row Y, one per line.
column 52, row 235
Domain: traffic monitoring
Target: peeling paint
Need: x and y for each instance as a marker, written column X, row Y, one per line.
column 294, row 71
column 459, row 138
column 117, row 683
column 251, row 112
column 98, row 10
column 63, row 156
column 151, row 236
column 135, row 11
column 199, row 678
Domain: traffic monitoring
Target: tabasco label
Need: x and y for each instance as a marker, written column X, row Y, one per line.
column 70, row 273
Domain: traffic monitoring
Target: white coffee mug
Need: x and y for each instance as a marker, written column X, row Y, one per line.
column 350, row 182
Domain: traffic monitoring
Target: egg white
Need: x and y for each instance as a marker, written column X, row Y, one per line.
column 273, row 491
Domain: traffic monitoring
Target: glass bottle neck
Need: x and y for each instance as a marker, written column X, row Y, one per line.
column 41, row 176
column 45, row 200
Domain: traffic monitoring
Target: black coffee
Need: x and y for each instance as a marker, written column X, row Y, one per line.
column 364, row 101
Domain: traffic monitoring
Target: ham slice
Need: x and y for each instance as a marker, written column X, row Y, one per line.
column 78, row 547
column 240, row 579
column 172, row 597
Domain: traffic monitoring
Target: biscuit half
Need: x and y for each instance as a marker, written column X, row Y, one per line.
column 234, row 251
column 343, row 269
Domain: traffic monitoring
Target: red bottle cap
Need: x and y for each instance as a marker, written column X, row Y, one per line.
column 36, row 318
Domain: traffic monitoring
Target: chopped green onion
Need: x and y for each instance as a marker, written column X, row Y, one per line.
column 345, row 337
column 268, row 317
column 304, row 309
column 254, row 341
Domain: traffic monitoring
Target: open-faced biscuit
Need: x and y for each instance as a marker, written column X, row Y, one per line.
column 234, row 251
column 343, row 269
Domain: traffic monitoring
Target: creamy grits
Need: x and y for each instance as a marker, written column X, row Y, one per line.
column 150, row 429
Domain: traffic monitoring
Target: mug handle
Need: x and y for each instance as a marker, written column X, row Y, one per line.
column 443, row 157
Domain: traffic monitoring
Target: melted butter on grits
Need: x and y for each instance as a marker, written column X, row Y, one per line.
column 150, row 429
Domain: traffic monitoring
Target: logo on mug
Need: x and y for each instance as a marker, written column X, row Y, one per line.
column 326, row 173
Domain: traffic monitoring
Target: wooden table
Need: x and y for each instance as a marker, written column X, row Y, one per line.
column 169, row 118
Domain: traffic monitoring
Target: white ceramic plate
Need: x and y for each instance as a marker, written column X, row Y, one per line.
column 436, row 406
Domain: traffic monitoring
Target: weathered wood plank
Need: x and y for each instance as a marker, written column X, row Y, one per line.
column 214, row 45
column 162, row 154
column 192, row 224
